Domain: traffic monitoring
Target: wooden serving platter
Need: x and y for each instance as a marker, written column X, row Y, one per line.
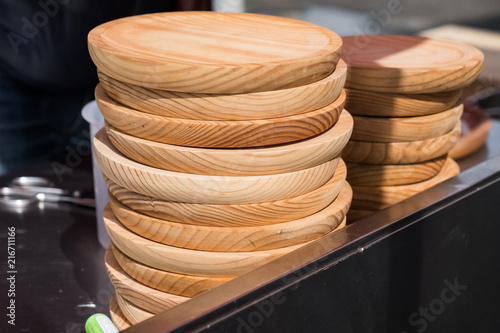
column 380, row 197
column 237, row 162
column 235, row 239
column 401, row 152
column 361, row 174
column 382, row 129
column 117, row 316
column 133, row 313
column 190, row 188
column 409, row 64
column 241, row 215
column 209, row 52
column 186, row 261
column 251, row 106
column 218, row 134
column 376, row 104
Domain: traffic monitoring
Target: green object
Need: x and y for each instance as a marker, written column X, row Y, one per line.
column 100, row 323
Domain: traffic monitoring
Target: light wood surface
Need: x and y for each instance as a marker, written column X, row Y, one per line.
column 218, row 134
column 235, row 239
column 380, row 197
column 370, row 103
column 393, row 174
column 209, row 52
column 143, row 296
column 186, row 261
column 400, row 152
column 382, row 129
column 173, row 283
column 189, row 188
column 264, row 213
column 409, row 64
column 237, row 162
column 117, row 316
column 133, row 313
column 251, row 106
column 471, row 141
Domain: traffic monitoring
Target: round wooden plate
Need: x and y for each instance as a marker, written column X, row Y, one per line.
column 184, row 187
column 179, row 284
column 117, row 316
column 393, row 174
column 133, row 313
column 143, row 296
column 409, row 64
column 264, row 213
column 235, row 239
column 381, row 129
column 209, row 52
column 380, row 197
column 401, row 152
column 370, row 103
column 218, row 134
column 237, row 162
column 252, row 106
column 186, row 261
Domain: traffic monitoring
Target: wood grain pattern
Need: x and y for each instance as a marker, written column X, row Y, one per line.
column 237, row 162
column 117, row 316
column 208, row 52
column 173, row 283
column 186, row 261
column 251, row 106
column 382, row 129
column 235, row 239
column 218, row 134
column 370, row 103
column 189, row 188
column 264, row 213
column 380, row 197
column 133, row 313
column 401, row 152
column 146, row 298
column 409, row 64
column 393, row 174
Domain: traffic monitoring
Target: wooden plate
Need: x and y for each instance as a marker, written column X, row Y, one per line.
column 401, row 152
column 237, row 162
column 381, row 129
column 184, row 187
column 179, row 284
column 143, row 296
column 117, row 316
column 409, row 64
column 133, row 313
column 252, row 106
column 209, row 52
column 186, row 261
column 218, row 134
column 264, row 213
column 375, row 198
column 235, row 239
column 370, row 103
column 393, row 174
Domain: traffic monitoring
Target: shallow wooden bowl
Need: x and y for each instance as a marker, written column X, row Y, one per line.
column 236, row 162
column 209, row 52
column 132, row 312
column 186, row 261
column 251, row 106
column 409, row 64
column 401, row 152
column 218, row 134
column 361, row 174
column 376, row 104
column 380, row 197
column 241, row 215
column 117, row 316
column 189, row 188
column 235, row 239
column 382, row 129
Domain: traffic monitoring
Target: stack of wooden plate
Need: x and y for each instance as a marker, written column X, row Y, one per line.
column 404, row 94
column 221, row 148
